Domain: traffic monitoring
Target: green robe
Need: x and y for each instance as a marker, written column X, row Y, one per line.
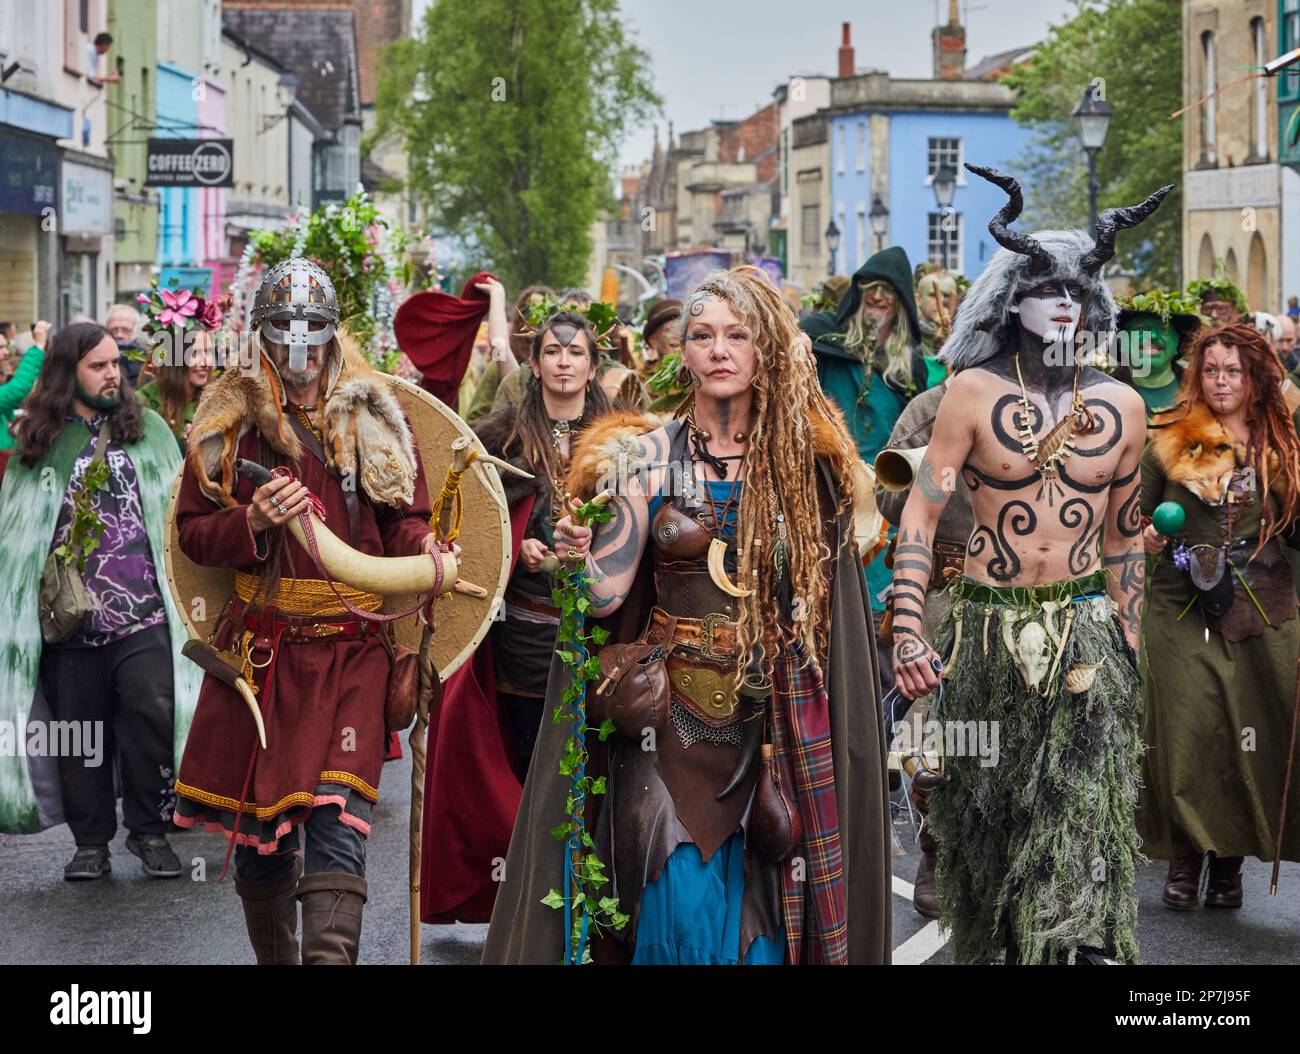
column 1217, row 712
column 30, row 499
column 16, row 389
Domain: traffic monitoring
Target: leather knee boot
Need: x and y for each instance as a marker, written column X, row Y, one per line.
column 1224, row 887
column 332, row 903
column 271, row 916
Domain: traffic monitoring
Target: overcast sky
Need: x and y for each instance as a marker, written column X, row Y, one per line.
column 722, row 58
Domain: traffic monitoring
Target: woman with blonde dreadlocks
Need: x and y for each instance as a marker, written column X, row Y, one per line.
column 744, row 814
column 481, row 740
column 1220, row 628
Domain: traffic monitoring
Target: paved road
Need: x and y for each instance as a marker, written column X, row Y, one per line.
column 130, row 919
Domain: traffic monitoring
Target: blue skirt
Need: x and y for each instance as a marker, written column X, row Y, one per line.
column 690, row 915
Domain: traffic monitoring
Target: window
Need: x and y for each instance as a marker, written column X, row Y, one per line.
column 839, row 153
column 943, row 151
column 810, row 223
column 1209, row 82
column 843, row 251
column 1259, row 140
column 862, row 231
column 938, row 240
column 785, row 161
column 862, row 146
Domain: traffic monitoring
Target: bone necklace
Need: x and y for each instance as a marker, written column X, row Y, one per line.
column 1048, row 454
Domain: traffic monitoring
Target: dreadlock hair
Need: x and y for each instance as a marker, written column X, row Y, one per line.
column 1272, row 430
column 780, row 470
column 530, row 436
column 47, row 407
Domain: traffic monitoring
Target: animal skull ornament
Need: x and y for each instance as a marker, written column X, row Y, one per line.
column 1029, row 650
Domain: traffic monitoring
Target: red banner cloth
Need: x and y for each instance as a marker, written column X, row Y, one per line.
column 436, row 331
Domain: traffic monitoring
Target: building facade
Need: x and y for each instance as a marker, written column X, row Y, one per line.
column 1234, row 191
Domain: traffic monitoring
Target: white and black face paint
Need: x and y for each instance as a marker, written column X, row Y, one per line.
column 1051, row 310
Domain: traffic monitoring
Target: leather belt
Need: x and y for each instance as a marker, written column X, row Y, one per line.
column 713, row 636
column 949, row 562
column 268, row 623
column 531, row 603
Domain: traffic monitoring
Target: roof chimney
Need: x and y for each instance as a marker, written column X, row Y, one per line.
column 950, row 47
column 846, row 52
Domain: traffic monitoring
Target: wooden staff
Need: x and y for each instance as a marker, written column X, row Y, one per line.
column 1286, row 788
column 462, row 454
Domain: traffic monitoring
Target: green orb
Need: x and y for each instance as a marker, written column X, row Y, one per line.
column 1168, row 518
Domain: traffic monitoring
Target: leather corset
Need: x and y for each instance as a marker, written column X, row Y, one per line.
column 680, row 547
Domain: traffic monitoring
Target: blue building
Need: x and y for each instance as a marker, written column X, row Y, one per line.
column 178, row 209
column 889, row 137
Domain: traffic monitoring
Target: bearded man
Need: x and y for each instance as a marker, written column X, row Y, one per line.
column 1036, row 833
column 314, row 406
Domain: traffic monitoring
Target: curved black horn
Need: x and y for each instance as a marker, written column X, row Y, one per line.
column 1111, row 222
column 1040, row 260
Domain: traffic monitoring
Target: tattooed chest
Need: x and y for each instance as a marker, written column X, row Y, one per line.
column 1033, row 526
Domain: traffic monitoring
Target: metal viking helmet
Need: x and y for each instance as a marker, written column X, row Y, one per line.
column 294, row 293
column 1028, row 260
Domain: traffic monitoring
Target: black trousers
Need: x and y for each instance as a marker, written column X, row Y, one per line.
column 126, row 688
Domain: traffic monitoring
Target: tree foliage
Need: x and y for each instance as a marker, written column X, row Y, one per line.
column 1133, row 51
column 512, row 112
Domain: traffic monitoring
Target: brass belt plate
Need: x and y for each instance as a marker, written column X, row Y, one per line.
column 709, row 690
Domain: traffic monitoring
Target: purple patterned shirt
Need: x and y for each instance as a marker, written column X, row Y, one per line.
column 120, row 575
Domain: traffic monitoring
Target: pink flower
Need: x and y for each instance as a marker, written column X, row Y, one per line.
column 180, row 306
column 143, row 298
column 210, row 316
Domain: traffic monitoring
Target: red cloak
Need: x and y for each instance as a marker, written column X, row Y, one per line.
column 471, row 794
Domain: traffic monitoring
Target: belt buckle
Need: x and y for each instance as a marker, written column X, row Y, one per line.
column 708, row 626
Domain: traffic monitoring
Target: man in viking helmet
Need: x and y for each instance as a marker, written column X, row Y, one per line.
column 1038, row 685
column 310, row 645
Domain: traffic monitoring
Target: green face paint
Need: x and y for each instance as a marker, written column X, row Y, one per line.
column 1152, row 346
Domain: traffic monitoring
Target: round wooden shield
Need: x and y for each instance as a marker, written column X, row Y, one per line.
column 461, row 620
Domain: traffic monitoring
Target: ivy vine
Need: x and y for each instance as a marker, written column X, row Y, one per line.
column 586, row 909
column 87, row 527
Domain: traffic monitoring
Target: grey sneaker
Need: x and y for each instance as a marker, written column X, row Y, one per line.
column 156, row 853
column 89, row 862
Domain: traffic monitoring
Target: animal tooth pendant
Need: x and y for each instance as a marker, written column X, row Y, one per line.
column 718, row 570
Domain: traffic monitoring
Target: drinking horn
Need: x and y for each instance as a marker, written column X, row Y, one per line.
column 385, row 575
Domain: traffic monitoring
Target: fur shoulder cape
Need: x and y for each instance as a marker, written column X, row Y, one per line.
column 367, row 437
column 1197, row 452
column 617, row 433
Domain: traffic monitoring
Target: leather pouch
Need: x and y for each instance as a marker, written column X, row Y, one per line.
column 634, row 690
column 775, row 825
column 403, row 689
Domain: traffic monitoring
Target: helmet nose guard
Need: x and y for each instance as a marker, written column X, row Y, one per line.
column 295, row 293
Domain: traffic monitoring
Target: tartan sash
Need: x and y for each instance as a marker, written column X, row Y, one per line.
column 801, row 736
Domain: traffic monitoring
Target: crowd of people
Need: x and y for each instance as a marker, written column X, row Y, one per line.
column 1082, row 582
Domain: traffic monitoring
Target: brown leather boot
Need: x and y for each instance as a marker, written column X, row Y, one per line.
column 1182, row 885
column 1224, row 888
column 271, row 916
column 924, row 898
column 331, row 917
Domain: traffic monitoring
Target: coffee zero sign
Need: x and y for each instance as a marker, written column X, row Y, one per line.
column 190, row 163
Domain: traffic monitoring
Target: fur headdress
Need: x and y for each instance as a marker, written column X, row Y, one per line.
column 367, row 438
column 1028, row 260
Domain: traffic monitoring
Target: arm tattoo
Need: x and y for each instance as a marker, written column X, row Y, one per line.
column 1130, row 576
column 931, row 491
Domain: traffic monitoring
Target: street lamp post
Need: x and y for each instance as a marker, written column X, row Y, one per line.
column 287, row 89
column 879, row 216
column 1092, row 119
column 833, row 244
column 945, row 186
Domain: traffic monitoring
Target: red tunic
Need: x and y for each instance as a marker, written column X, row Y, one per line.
column 324, row 704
